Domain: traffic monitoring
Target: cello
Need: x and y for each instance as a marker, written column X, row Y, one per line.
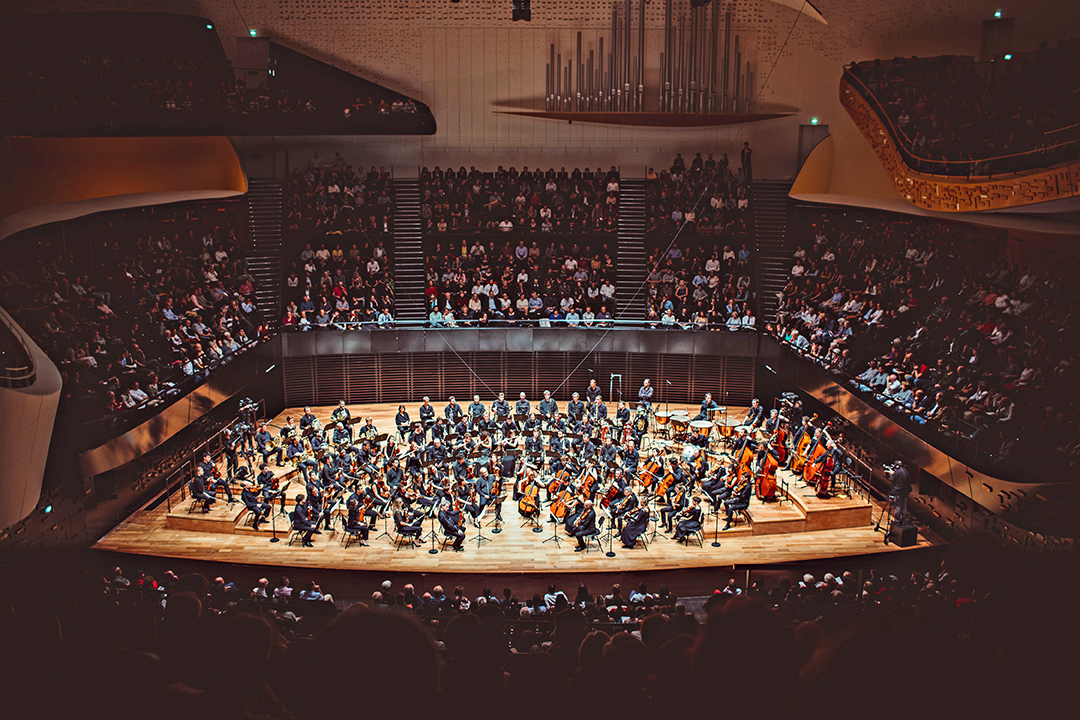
column 766, row 476
column 651, row 472
column 529, row 502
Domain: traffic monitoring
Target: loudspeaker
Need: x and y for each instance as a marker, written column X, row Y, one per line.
column 904, row 535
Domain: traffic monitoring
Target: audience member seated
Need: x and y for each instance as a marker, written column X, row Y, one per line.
column 482, row 280
column 159, row 303
column 706, row 198
column 970, row 114
column 330, row 198
column 583, row 201
column 692, row 287
column 921, row 314
column 191, row 646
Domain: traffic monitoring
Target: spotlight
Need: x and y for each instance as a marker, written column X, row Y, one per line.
column 1008, row 56
column 997, row 14
column 253, row 32
column 209, row 26
column 813, row 121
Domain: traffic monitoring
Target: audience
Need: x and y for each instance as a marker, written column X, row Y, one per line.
column 961, row 118
column 482, row 280
column 994, row 633
column 582, row 201
column 706, row 198
column 924, row 315
column 163, row 302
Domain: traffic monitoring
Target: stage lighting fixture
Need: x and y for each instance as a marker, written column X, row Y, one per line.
column 997, row 14
column 209, row 26
column 521, row 10
column 253, row 32
column 1008, row 56
column 813, row 121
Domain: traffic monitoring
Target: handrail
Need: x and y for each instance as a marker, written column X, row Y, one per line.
column 898, row 133
column 15, row 376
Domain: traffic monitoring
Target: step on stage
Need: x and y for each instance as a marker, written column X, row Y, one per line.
column 802, row 528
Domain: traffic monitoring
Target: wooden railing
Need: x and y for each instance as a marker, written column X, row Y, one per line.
column 954, row 194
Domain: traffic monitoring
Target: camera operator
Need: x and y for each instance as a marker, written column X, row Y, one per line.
column 901, row 488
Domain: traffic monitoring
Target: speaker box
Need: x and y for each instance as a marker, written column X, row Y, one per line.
column 904, row 535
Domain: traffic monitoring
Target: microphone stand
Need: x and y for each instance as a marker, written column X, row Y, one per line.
column 716, row 529
column 273, row 527
column 433, row 535
column 610, row 537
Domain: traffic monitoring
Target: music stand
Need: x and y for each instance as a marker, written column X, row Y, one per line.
column 498, row 519
column 716, row 529
column 433, row 536
column 554, row 533
column 480, row 536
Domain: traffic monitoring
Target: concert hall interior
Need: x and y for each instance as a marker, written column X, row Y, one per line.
column 643, row 357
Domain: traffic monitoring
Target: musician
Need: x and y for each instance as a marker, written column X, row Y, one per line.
column 321, row 510
column 342, row 435
column 587, row 449
column 641, row 425
column 584, row 526
column 418, row 436
column 294, row 451
column 699, row 438
column 460, row 468
column 561, row 424
column 452, row 525
column 630, row 457
column 368, row 431
column 212, row 482
column 288, row 430
column 592, row 392
column 263, row 438
column 249, row 495
column 408, row 523
column 772, row 422
column 427, row 416
column 500, row 409
column 452, row 412
column 460, row 428
column 622, row 415
column 740, row 500
column 755, row 416
column 439, row 429
column 625, row 502
column 300, row 517
column 317, row 442
column 342, row 417
column 689, row 520
column 507, row 428
column 355, row 522
column 766, row 450
column 307, row 420
column 531, row 423
column 378, row 497
column 575, row 409
column 549, row 409
column 198, row 490
column 534, row 445
column 394, row 474
column 716, row 487
column 598, row 410
column 522, row 408
column 435, row 452
column 265, row 478
column 645, row 395
column 608, row 452
column 674, row 503
column 476, row 412
column 707, row 407
column 636, row 524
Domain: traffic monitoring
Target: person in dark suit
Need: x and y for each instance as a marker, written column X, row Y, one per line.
column 301, row 521
column 689, row 520
column 452, row 526
column 707, row 406
column 755, row 416
column 622, row 506
column 740, row 500
column 355, row 523
column 585, row 526
column 197, row 487
column 407, row 523
column 636, row 525
column 250, row 498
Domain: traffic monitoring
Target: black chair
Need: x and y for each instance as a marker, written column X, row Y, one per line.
column 348, row 536
column 595, row 535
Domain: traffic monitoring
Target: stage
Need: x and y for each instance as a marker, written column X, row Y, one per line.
column 802, row 528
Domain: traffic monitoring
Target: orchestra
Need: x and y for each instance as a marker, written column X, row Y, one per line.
column 587, row 463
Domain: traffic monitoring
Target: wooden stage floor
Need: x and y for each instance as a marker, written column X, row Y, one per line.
column 804, row 529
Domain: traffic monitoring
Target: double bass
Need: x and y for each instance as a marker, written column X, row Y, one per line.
column 766, row 476
column 803, row 446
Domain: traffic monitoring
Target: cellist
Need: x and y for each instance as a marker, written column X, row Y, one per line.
column 767, row 462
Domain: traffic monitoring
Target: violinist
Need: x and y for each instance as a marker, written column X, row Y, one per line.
column 674, row 503
column 373, row 503
column 739, row 500
column 689, row 520
column 549, row 409
column 627, row 503
column 207, row 465
column 407, row 522
column 215, row 481
column 717, row 487
column 585, row 525
column 321, row 509
column 355, row 523
column 197, row 487
column 231, row 441
column 300, row 517
column 401, row 421
column 636, row 524
column 452, row 525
